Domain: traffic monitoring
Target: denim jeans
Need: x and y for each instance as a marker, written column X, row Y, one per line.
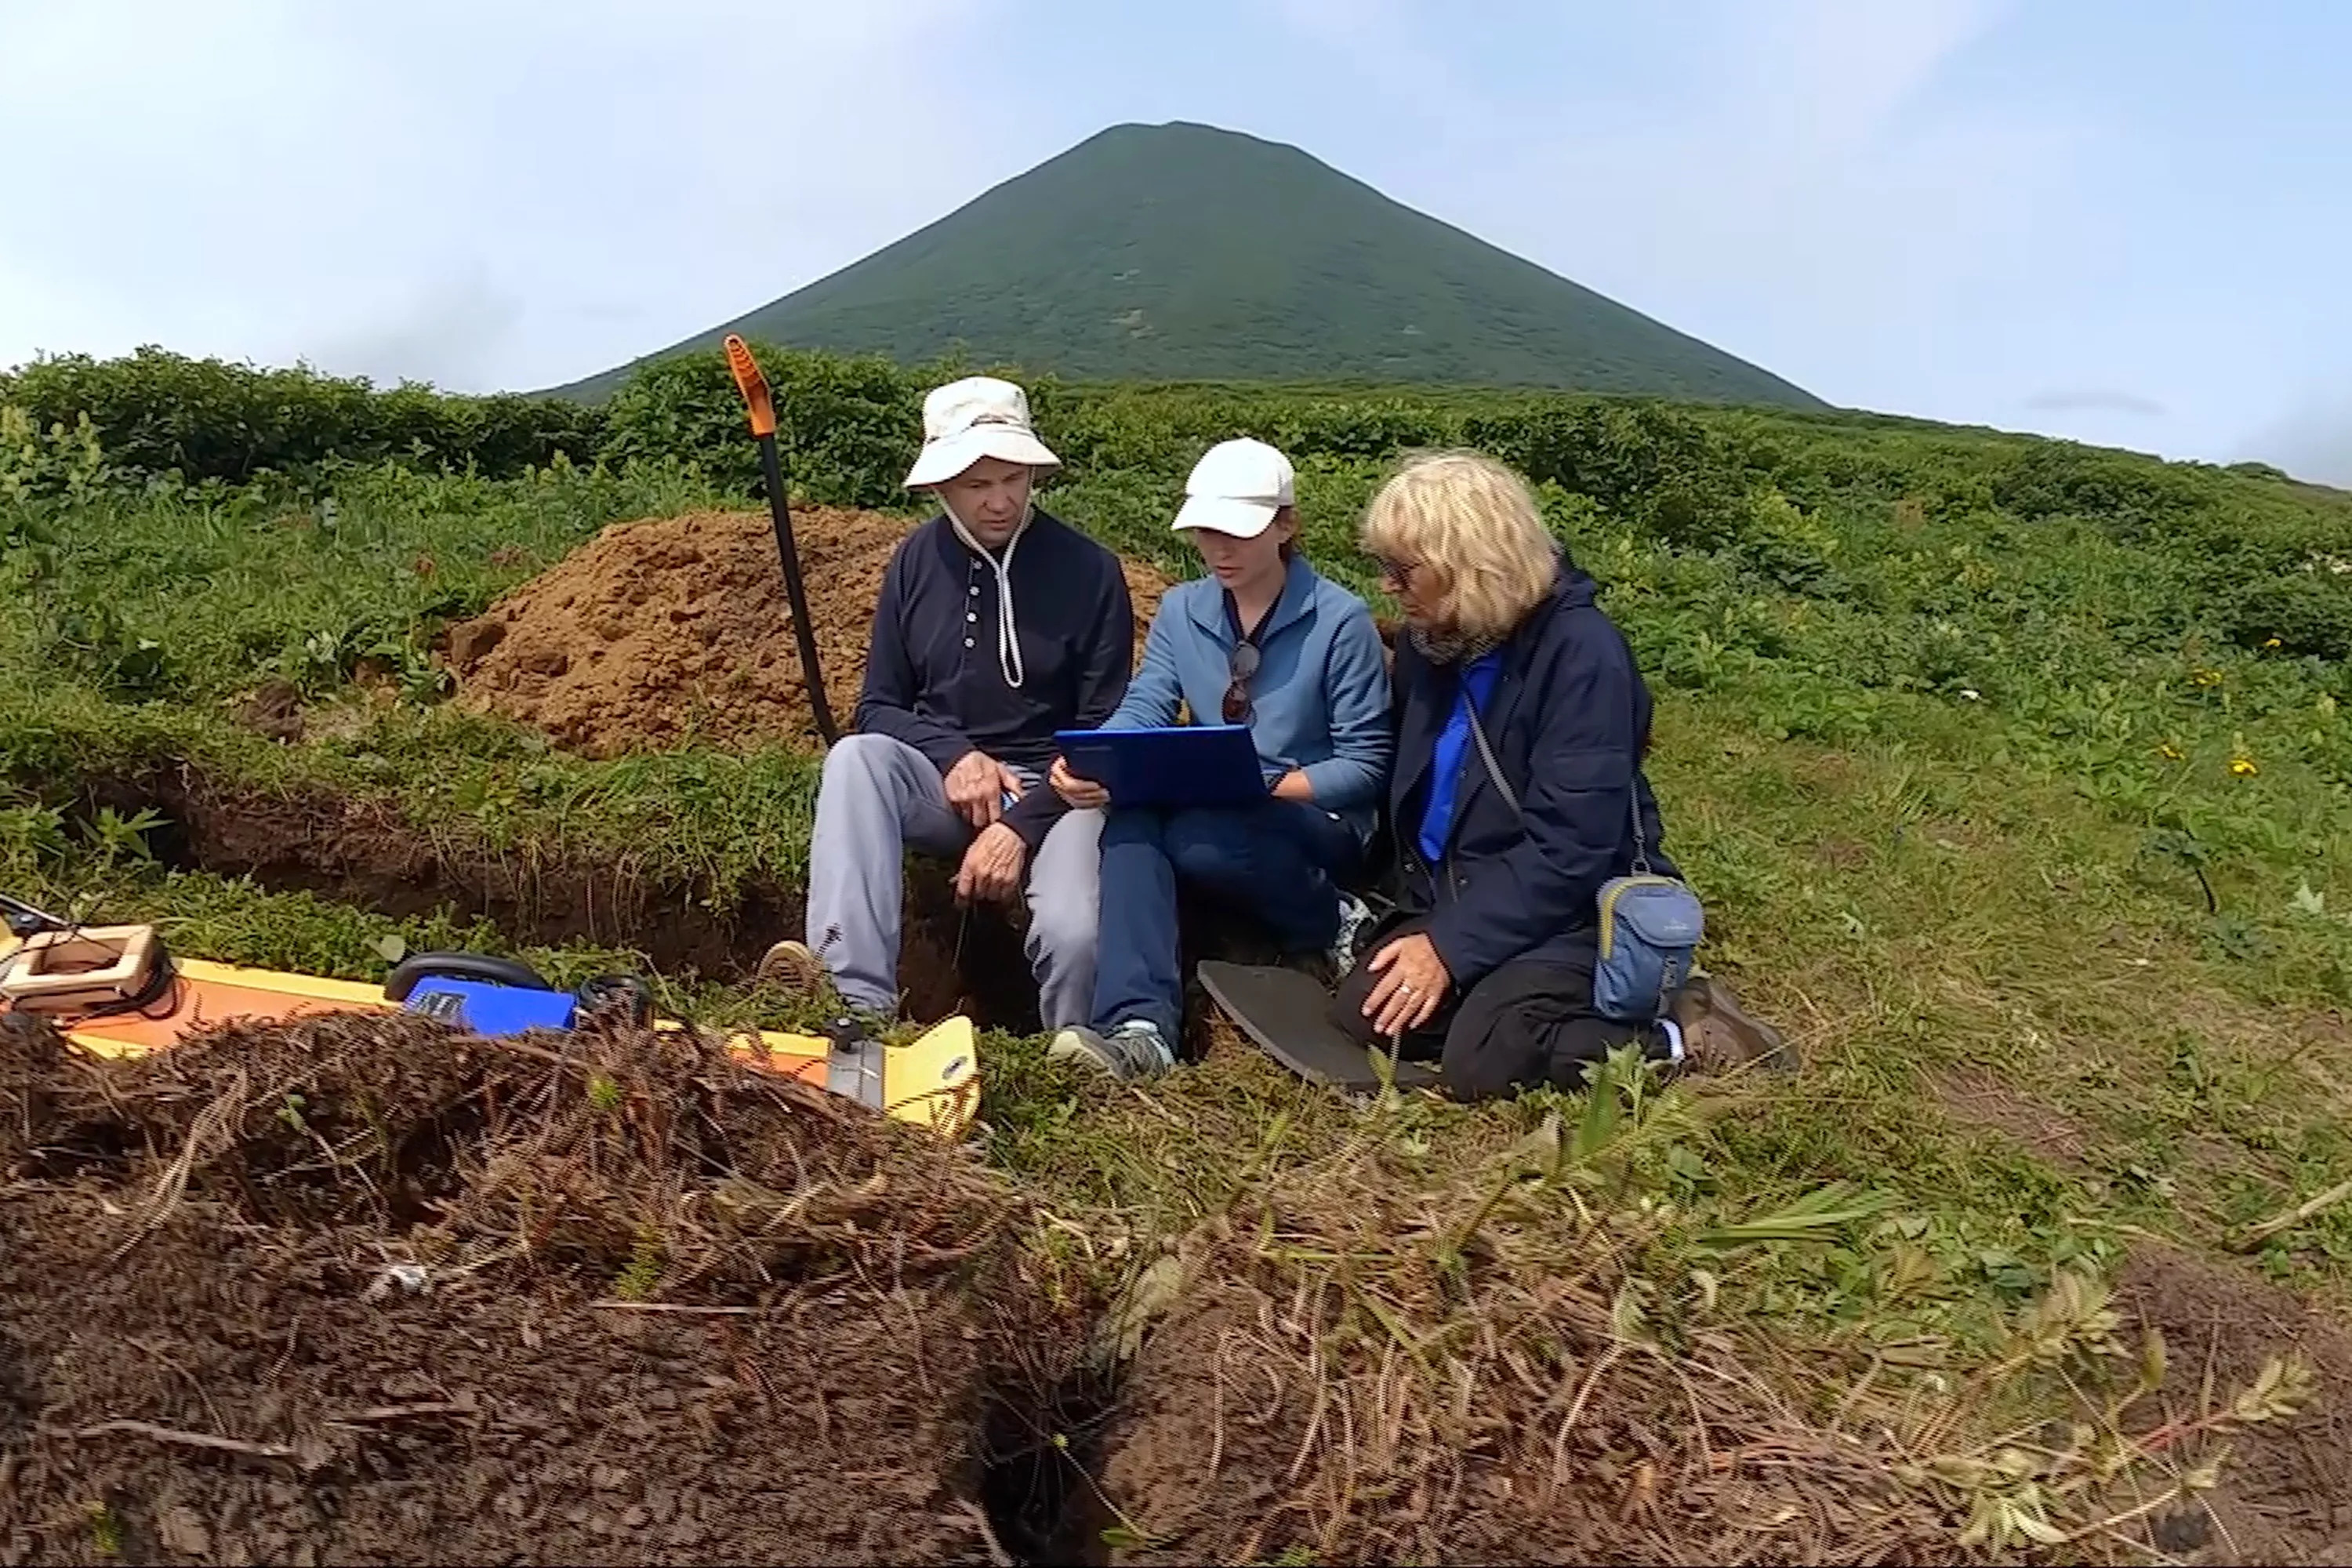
column 1278, row 858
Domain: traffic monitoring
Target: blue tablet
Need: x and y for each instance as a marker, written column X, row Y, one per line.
column 1188, row 764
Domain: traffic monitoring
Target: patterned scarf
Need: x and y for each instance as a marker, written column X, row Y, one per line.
column 1451, row 644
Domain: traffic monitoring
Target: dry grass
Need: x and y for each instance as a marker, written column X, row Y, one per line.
column 1527, row 1355
column 651, row 1156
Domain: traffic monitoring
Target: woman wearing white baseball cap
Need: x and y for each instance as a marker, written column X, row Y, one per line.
column 997, row 625
column 1263, row 640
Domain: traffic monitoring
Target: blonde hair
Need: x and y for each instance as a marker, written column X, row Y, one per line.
column 1474, row 521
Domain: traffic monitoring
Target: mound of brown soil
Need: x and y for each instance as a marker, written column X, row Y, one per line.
column 678, row 631
column 368, row 1290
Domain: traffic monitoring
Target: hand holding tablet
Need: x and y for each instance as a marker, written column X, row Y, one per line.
column 1180, row 765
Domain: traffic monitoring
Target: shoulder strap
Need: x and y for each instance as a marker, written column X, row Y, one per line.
column 1487, row 755
column 1511, row 798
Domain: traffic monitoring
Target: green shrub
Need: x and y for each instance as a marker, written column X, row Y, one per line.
column 2298, row 614
column 846, row 427
column 156, row 412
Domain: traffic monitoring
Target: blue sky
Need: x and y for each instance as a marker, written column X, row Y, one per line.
column 2129, row 223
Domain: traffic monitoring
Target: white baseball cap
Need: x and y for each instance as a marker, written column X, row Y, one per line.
column 978, row 416
column 1236, row 488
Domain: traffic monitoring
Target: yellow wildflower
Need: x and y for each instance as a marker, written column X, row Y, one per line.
column 2168, row 752
column 2207, row 678
column 2273, row 643
column 2243, row 767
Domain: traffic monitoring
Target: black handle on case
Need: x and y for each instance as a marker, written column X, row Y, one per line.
column 460, row 966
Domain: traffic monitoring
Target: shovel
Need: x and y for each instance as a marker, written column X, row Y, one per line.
column 762, row 409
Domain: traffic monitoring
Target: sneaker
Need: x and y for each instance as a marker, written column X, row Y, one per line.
column 1719, row 1037
column 1355, row 915
column 1132, row 1049
column 794, row 966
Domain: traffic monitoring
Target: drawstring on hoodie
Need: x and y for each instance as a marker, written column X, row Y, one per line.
column 1008, row 633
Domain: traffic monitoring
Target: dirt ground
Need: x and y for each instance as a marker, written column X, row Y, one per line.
column 676, row 632
column 2286, row 1491
column 1979, row 1098
column 368, row 1291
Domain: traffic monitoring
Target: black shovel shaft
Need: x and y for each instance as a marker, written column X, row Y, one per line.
column 24, row 922
column 803, row 633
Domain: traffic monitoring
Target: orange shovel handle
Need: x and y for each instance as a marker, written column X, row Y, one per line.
column 752, row 386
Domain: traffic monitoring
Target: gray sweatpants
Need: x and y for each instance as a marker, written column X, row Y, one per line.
column 879, row 797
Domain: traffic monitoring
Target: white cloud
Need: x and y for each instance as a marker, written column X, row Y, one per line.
column 1793, row 188
column 2312, row 441
column 2099, row 397
column 494, row 196
column 455, row 329
column 1386, row 44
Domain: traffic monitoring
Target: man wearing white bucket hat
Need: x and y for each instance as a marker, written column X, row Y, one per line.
column 997, row 625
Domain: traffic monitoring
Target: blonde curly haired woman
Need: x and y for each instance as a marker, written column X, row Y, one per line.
column 1487, row 964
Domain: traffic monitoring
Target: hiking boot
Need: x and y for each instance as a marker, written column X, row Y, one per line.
column 1719, row 1037
column 1327, row 966
column 1355, row 917
column 794, row 966
column 1132, row 1049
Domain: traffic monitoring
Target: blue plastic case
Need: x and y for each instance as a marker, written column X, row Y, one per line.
column 487, row 1009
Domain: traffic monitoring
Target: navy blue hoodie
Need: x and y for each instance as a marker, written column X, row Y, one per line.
column 932, row 679
column 1570, row 720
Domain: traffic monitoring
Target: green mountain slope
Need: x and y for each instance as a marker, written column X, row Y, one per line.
column 1183, row 252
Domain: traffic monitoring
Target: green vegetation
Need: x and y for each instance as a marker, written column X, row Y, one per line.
column 155, row 412
column 1180, row 252
column 2015, row 775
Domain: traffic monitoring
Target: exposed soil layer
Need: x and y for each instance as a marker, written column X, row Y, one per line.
column 369, row 1290
column 2287, row 1487
column 363, row 852
column 676, row 632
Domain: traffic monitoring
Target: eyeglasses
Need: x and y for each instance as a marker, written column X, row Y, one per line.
column 1239, row 710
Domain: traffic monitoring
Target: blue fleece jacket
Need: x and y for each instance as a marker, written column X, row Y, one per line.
column 1320, row 693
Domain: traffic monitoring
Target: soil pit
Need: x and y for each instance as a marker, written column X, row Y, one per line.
column 676, row 632
column 362, row 851
column 370, row 1290
column 2286, row 1487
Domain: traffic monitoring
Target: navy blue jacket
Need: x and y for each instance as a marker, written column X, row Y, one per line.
column 932, row 677
column 1570, row 720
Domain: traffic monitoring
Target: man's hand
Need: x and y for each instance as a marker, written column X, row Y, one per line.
column 1083, row 794
column 1412, row 982
column 991, row 872
column 1293, row 786
column 977, row 786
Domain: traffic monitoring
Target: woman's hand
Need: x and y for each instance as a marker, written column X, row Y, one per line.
column 1292, row 785
column 1083, row 794
column 1412, row 982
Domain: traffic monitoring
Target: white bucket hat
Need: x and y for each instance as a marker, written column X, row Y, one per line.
column 978, row 416
column 1236, row 488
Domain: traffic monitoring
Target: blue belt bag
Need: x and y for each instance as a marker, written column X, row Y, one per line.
column 1650, row 925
